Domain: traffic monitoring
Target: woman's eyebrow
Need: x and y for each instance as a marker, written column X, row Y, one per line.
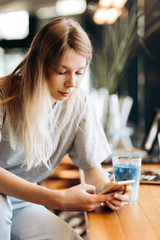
column 68, row 67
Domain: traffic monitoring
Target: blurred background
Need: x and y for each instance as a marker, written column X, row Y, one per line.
column 123, row 79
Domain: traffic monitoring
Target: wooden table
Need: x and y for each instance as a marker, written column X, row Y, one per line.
column 132, row 222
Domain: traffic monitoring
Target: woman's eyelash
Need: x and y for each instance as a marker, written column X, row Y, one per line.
column 79, row 73
column 61, row 73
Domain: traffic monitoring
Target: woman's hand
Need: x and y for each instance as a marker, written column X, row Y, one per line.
column 120, row 197
column 96, row 176
column 83, row 197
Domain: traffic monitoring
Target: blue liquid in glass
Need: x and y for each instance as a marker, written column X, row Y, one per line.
column 126, row 171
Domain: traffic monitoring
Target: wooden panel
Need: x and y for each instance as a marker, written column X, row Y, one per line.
column 104, row 226
column 66, row 174
column 58, row 184
column 151, row 208
column 135, row 224
column 138, row 221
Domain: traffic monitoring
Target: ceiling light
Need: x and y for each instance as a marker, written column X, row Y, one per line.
column 70, row 7
column 112, row 15
column 105, row 3
column 119, row 3
column 103, row 15
column 112, row 3
column 99, row 16
column 14, row 25
column 46, row 12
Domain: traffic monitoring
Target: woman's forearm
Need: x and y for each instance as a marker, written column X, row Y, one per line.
column 77, row 198
column 97, row 177
column 17, row 187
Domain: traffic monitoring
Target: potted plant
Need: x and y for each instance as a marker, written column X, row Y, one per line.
column 121, row 42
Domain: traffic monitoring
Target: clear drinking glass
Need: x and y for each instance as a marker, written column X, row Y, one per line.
column 128, row 168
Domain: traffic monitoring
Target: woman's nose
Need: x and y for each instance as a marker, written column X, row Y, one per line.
column 70, row 82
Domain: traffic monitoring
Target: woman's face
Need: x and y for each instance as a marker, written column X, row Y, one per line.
column 68, row 75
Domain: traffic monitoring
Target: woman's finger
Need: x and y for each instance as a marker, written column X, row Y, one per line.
column 117, row 203
column 112, row 206
column 128, row 189
column 109, row 196
column 121, row 197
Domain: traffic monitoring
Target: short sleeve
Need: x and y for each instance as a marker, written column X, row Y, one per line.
column 90, row 145
column 1, row 115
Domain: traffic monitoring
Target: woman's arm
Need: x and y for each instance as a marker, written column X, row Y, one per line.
column 97, row 177
column 14, row 186
column 78, row 198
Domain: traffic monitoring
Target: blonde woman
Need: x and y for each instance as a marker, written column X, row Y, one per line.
column 44, row 115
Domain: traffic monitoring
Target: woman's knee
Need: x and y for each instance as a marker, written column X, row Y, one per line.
column 39, row 223
column 5, row 217
column 62, row 230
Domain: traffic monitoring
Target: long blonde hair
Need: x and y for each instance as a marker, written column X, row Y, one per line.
column 26, row 93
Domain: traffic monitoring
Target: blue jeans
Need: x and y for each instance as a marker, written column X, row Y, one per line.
column 20, row 220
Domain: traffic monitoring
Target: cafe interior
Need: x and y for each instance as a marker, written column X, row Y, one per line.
column 123, row 78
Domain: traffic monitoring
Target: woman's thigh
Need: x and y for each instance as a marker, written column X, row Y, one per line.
column 35, row 222
column 5, row 217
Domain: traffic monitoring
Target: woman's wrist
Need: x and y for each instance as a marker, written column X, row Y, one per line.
column 52, row 199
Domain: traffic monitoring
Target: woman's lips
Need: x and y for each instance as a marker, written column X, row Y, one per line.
column 65, row 94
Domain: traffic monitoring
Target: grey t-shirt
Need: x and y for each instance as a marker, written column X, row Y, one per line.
column 86, row 143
